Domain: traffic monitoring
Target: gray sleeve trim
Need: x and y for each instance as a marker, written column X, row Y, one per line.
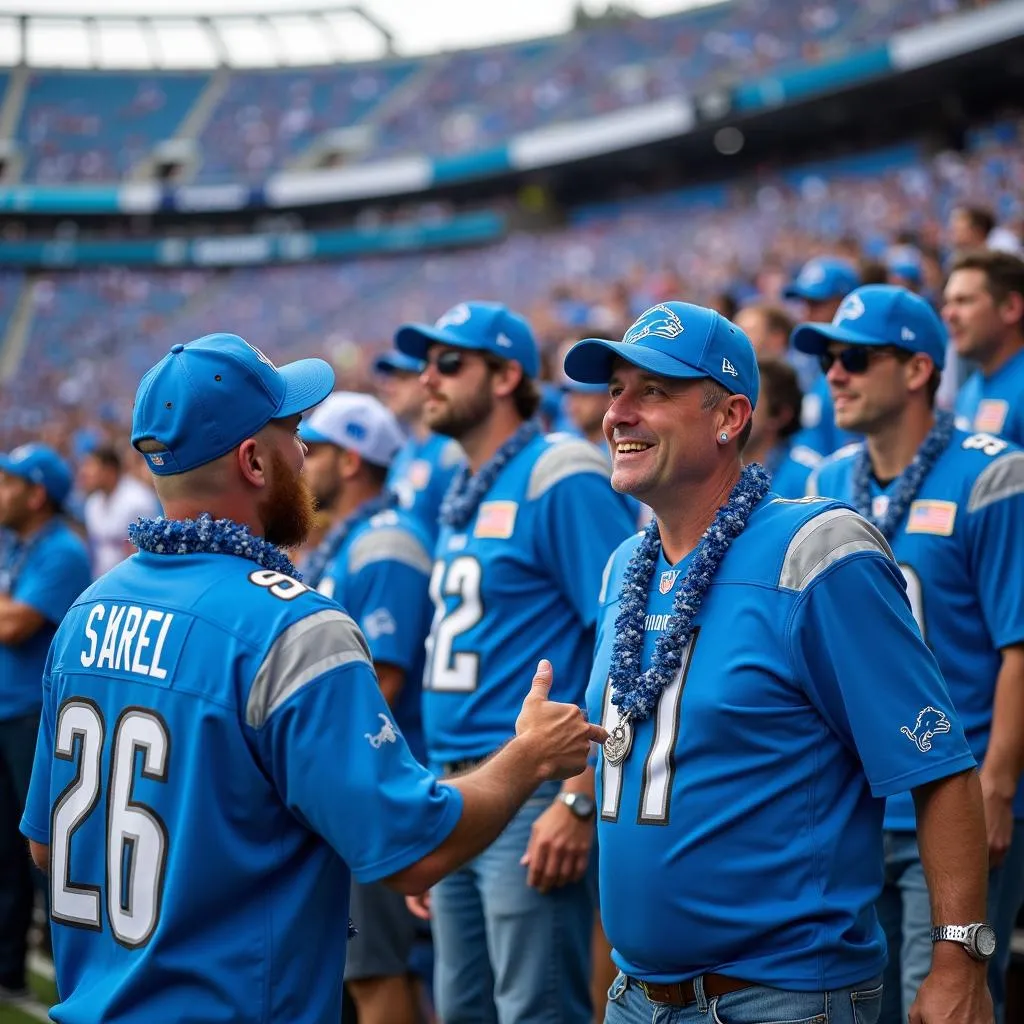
column 1000, row 479
column 825, row 540
column 303, row 652
column 391, row 545
column 562, row 460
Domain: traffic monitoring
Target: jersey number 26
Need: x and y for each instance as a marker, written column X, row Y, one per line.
column 136, row 838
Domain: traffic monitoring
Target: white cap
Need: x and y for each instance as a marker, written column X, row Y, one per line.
column 356, row 422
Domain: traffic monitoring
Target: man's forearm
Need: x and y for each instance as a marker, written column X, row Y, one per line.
column 953, row 847
column 582, row 783
column 491, row 796
column 1004, row 759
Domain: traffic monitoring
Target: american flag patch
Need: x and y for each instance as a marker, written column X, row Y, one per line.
column 935, row 517
column 496, row 519
column 991, row 415
column 418, row 474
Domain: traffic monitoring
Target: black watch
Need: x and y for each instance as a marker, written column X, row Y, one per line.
column 580, row 804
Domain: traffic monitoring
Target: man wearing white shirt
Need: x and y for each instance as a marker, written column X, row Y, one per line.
column 115, row 500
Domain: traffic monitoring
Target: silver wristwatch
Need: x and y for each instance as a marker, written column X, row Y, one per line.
column 978, row 939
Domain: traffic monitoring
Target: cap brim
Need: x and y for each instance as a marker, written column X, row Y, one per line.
column 397, row 362
column 590, row 361
column 415, row 340
column 307, row 382
column 578, row 388
column 311, row 436
column 816, row 338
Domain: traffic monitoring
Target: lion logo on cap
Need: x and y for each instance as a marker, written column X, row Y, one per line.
column 658, row 320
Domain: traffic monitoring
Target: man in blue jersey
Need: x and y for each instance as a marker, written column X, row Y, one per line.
column 215, row 756
column 984, row 310
column 43, row 568
column 375, row 561
column 423, row 469
column 775, row 422
column 525, row 531
column 763, row 683
column 951, row 505
column 820, row 287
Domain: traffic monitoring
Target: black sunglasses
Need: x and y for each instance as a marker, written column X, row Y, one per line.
column 857, row 358
column 450, row 363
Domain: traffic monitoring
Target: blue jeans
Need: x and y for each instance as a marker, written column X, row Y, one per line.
column 627, row 1004
column 905, row 915
column 503, row 952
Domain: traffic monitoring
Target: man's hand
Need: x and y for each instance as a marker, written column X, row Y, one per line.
column 419, row 906
column 955, row 991
column 998, row 803
column 559, row 848
column 559, row 735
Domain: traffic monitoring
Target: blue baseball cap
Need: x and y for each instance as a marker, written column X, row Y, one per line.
column 674, row 339
column 877, row 315
column 822, row 279
column 578, row 387
column 397, row 362
column 40, row 464
column 205, row 398
column 480, row 326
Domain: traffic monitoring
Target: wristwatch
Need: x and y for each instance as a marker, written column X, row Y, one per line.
column 580, row 804
column 978, row 939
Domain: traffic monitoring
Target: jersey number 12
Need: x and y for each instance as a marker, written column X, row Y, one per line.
column 136, row 838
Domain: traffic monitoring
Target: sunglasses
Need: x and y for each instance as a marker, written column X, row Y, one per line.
column 855, row 359
column 450, row 363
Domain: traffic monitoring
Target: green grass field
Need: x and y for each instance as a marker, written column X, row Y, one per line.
column 41, row 983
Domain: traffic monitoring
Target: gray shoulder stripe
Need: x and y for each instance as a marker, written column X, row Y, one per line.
column 451, row 455
column 825, row 540
column 389, row 544
column 303, row 652
column 562, row 460
column 1001, row 479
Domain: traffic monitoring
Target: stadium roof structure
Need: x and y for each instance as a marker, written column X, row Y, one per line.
column 292, row 37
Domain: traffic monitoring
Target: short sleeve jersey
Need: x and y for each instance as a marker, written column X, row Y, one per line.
column 215, row 761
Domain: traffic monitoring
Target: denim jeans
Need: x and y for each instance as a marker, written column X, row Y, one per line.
column 905, row 915
column 504, row 952
column 860, row 1004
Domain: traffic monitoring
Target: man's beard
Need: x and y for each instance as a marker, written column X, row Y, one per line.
column 287, row 512
column 456, row 421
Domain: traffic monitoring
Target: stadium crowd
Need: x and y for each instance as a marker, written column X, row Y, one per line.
column 99, row 126
column 446, row 523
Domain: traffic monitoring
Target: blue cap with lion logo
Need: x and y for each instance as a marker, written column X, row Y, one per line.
column 674, row 339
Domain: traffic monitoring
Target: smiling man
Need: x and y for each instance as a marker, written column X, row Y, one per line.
column 951, row 504
column 752, row 728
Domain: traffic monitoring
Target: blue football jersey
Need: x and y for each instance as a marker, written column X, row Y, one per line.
column 818, row 421
column 743, row 832
column 46, row 572
column 420, row 475
column 381, row 576
column 994, row 405
column 790, row 465
column 961, row 549
column 214, row 759
column 518, row 584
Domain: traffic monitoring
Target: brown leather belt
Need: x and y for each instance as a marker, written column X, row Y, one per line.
column 681, row 993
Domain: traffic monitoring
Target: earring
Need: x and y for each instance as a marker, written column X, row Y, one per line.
column 723, row 437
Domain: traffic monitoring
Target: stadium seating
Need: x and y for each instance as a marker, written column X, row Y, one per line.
column 267, row 117
column 610, row 261
column 96, row 126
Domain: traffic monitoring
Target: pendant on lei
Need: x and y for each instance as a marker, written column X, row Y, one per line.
column 635, row 691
